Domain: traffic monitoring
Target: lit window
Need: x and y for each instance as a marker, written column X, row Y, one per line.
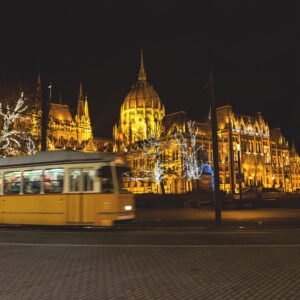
column 12, row 183
column 106, row 179
column 74, row 180
column 32, row 182
column 88, row 176
column 54, row 180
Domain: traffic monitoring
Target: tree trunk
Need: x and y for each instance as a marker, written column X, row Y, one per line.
column 162, row 187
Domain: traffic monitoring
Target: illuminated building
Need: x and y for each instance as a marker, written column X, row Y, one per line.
column 141, row 113
column 266, row 160
column 65, row 131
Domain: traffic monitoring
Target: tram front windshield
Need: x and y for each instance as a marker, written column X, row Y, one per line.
column 123, row 177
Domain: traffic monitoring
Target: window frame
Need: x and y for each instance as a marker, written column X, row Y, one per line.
column 63, row 180
column 41, row 182
column 80, row 180
column 21, row 183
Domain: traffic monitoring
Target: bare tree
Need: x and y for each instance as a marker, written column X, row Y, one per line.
column 14, row 138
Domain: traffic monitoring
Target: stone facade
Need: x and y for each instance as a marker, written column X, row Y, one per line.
column 265, row 157
column 66, row 131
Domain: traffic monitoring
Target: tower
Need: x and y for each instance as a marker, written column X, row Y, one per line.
column 141, row 113
column 82, row 118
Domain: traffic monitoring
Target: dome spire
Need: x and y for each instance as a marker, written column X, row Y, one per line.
column 142, row 72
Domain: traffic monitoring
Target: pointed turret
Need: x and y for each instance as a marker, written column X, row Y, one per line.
column 142, row 72
column 82, row 118
column 80, row 105
column 81, row 91
column 86, row 108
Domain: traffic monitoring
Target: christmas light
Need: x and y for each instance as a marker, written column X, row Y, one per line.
column 194, row 158
column 11, row 139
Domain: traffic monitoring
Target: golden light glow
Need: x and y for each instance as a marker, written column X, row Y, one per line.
column 264, row 154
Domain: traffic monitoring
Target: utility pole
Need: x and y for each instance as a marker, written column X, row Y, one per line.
column 238, row 148
column 231, row 154
column 45, row 113
column 216, row 193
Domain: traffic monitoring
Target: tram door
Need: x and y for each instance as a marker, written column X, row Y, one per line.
column 79, row 200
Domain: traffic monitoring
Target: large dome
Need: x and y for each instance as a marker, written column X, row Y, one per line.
column 141, row 112
column 142, row 95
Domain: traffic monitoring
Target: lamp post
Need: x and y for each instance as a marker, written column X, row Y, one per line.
column 216, row 192
column 238, row 148
column 45, row 113
column 224, row 166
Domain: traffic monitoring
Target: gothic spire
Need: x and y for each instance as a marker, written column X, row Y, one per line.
column 81, row 95
column 80, row 105
column 86, row 108
column 142, row 72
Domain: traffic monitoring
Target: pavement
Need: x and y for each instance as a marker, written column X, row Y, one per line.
column 140, row 262
column 205, row 218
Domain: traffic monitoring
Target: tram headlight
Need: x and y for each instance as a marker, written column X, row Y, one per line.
column 128, row 207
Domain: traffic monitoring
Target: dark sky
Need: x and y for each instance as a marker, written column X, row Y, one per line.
column 252, row 45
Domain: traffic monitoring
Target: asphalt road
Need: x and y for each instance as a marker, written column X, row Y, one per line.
column 147, row 261
column 149, row 264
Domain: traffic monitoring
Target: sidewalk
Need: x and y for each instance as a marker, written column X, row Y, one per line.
column 232, row 219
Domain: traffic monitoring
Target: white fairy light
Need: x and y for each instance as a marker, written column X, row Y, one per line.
column 10, row 138
column 193, row 166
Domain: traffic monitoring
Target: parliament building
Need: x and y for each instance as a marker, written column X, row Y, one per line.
column 64, row 130
column 266, row 160
column 265, row 156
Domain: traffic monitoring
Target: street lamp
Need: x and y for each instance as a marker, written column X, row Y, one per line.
column 239, row 177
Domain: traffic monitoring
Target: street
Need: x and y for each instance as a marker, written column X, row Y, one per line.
column 139, row 262
column 204, row 217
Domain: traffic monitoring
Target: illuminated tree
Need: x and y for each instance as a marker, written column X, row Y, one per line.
column 149, row 159
column 14, row 138
column 194, row 157
column 189, row 151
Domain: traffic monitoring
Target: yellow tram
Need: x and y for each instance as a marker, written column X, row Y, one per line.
column 64, row 188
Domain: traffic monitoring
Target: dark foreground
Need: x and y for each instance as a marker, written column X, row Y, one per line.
column 132, row 263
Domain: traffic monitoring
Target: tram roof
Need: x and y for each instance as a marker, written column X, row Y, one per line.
column 55, row 157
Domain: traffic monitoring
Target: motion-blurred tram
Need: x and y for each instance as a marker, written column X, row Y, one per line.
column 64, row 188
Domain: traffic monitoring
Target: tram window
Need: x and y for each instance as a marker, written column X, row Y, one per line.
column 74, row 180
column 123, row 177
column 12, row 182
column 106, row 178
column 88, row 176
column 32, row 182
column 54, row 180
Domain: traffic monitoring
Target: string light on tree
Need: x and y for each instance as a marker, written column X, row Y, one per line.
column 13, row 140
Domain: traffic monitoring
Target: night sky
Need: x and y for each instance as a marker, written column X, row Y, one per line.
column 252, row 45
